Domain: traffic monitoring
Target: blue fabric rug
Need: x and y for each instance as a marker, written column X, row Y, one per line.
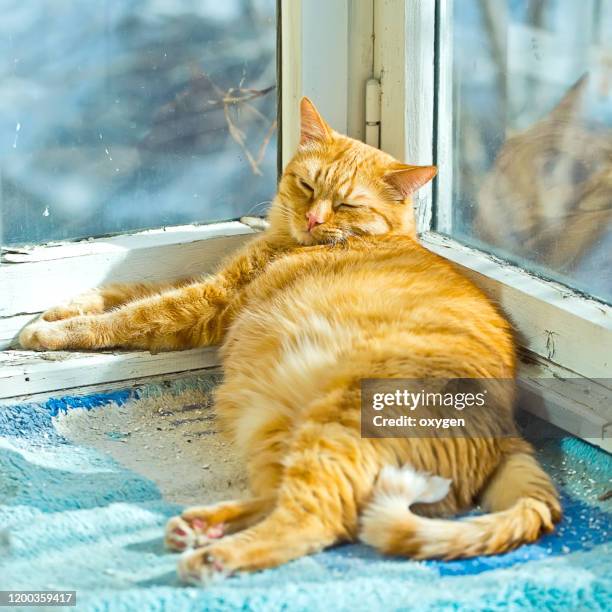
column 73, row 518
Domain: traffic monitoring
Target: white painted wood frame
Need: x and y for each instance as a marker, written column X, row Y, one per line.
column 327, row 55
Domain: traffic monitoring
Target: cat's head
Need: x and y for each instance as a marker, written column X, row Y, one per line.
column 336, row 187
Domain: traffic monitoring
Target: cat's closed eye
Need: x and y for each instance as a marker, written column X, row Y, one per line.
column 550, row 163
column 577, row 170
column 346, row 206
column 580, row 172
column 305, row 186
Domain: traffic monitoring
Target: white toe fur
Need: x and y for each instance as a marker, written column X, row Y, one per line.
column 193, row 570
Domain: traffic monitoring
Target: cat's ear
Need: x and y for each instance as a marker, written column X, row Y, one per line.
column 406, row 180
column 312, row 125
column 570, row 105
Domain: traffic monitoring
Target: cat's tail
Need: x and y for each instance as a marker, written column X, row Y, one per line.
column 522, row 497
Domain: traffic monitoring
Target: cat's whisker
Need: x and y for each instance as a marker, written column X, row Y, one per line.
column 256, row 206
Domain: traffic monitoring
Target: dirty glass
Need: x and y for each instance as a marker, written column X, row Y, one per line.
column 120, row 115
column 532, row 136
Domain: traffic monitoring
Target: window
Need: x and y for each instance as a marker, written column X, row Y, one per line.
column 532, row 138
column 134, row 115
column 131, row 116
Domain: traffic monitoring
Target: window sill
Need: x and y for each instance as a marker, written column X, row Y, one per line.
column 27, row 373
column 552, row 321
column 574, row 404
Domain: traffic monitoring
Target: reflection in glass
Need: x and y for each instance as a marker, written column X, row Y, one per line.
column 127, row 115
column 532, row 137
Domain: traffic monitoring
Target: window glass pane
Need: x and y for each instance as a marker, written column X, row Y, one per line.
column 119, row 115
column 532, row 136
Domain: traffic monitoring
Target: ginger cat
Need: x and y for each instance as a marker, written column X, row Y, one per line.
column 336, row 290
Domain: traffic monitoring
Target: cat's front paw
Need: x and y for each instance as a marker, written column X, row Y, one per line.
column 43, row 336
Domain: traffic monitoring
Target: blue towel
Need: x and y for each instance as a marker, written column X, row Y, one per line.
column 73, row 518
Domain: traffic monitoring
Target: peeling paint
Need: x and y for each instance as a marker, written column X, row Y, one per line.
column 550, row 343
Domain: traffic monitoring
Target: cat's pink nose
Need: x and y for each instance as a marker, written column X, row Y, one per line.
column 313, row 220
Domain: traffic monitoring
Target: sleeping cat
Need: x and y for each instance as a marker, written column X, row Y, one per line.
column 336, row 290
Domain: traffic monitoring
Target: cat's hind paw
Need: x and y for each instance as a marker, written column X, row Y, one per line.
column 183, row 533
column 179, row 535
column 201, row 568
column 42, row 336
